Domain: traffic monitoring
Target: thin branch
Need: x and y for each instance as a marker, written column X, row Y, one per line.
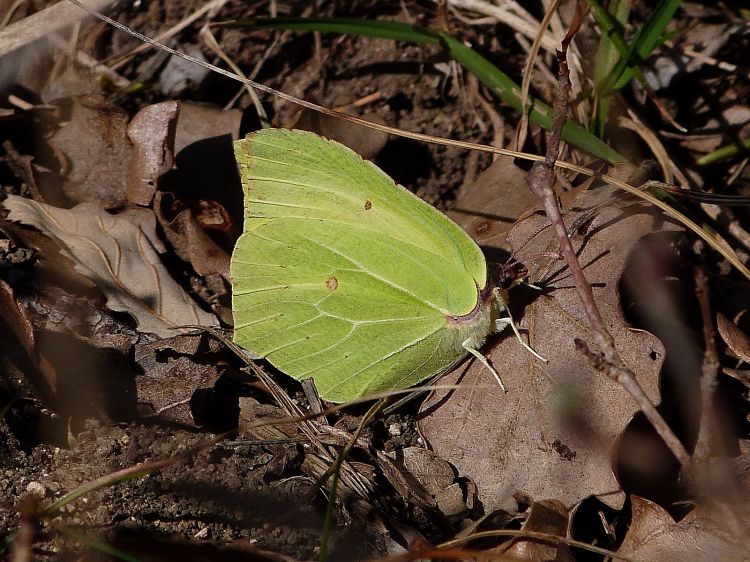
column 707, row 436
column 606, row 360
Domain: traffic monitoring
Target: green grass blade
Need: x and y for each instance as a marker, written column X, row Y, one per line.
column 539, row 112
column 607, row 56
column 646, row 39
column 491, row 76
column 741, row 147
column 611, row 46
column 652, row 30
column 371, row 28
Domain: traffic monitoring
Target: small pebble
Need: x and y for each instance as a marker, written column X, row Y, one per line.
column 394, row 430
column 202, row 534
column 36, row 488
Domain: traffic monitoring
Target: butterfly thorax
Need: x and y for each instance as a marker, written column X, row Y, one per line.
column 473, row 328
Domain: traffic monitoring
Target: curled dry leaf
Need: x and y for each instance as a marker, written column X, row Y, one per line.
column 437, row 477
column 173, row 369
column 152, row 132
column 96, row 153
column 735, row 338
column 551, row 434
column 407, row 484
column 18, row 322
column 475, row 210
column 194, row 245
column 119, row 255
column 190, row 241
column 704, row 534
column 741, row 375
column 551, row 518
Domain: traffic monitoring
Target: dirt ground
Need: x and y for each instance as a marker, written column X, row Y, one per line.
column 97, row 395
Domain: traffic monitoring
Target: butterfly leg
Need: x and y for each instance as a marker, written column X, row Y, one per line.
column 500, row 325
column 483, row 360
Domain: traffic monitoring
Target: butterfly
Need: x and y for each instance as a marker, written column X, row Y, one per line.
column 345, row 277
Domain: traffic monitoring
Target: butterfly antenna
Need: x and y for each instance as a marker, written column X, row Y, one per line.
column 483, row 360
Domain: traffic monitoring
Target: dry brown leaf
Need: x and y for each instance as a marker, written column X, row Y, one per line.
column 191, row 242
column 550, row 435
column 50, row 268
column 501, row 186
column 118, row 253
column 406, row 484
column 703, row 535
column 365, row 142
column 735, row 338
column 551, row 518
column 437, row 477
column 433, row 473
column 16, row 318
column 198, row 122
column 152, row 132
column 172, row 372
column 94, row 143
column 741, row 375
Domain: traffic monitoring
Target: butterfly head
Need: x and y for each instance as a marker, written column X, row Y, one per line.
column 510, row 274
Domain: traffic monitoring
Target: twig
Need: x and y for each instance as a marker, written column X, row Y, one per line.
column 707, row 437
column 211, row 42
column 607, row 359
column 22, row 548
column 210, row 8
column 711, row 475
column 522, row 129
column 90, row 63
column 40, row 24
column 334, row 471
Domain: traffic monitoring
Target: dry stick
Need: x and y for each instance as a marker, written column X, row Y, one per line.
column 523, row 127
column 541, row 179
column 39, row 24
column 711, row 475
column 22, row 548
column 705, row 444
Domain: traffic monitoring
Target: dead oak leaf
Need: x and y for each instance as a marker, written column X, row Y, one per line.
column 550, row 436
column 501, row 187
column 704, row 534
column 95, row 151
column 118, row 253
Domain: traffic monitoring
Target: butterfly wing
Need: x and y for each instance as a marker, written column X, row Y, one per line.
column 343, row 276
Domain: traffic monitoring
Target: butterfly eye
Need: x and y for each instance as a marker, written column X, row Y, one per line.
column 511, row 273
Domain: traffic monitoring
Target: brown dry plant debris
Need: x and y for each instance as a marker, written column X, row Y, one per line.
column 79, row 361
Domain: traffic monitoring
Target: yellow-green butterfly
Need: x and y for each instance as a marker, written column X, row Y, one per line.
column 343, row 276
